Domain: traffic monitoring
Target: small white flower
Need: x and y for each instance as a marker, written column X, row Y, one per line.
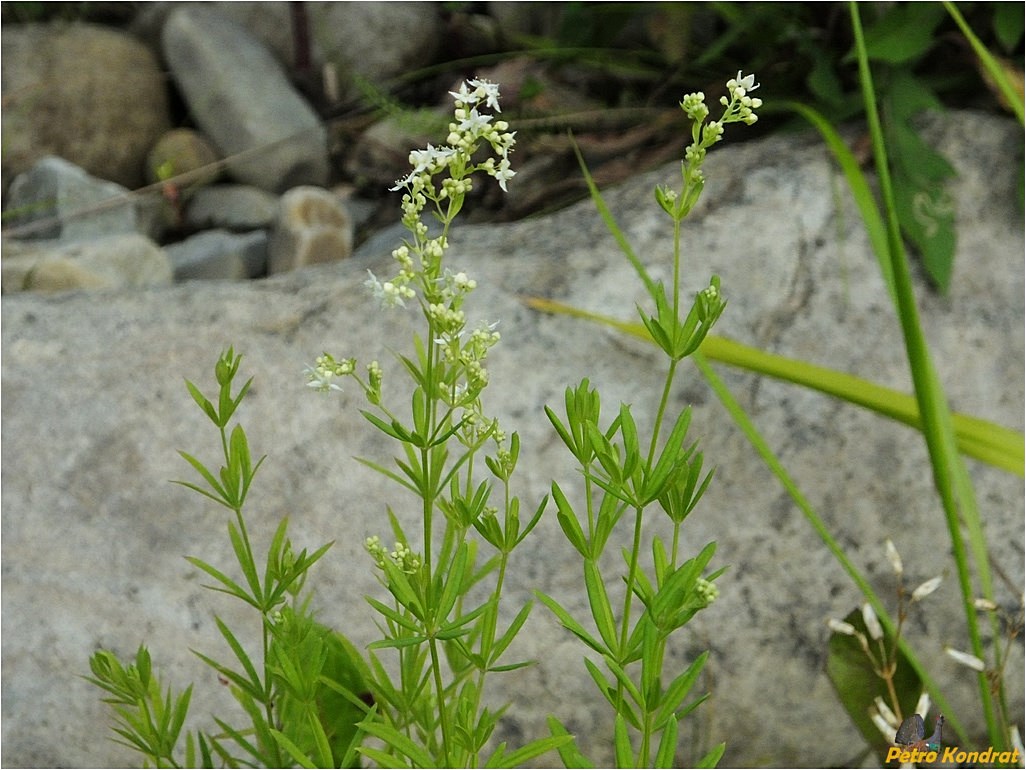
column 984, row 604
column 885, row 711
column 893, row 557
column 872, row 622
column 463, row 95
column 927, row 588
column 388, row 293
column 320, row 379
column 966, row 659
column 923, row 704
column 475, row 123
column 742, row 84
column 840, row 627
column 503, row 173
column 487, row 91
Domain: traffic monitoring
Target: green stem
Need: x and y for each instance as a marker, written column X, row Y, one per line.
column 443, row 716
column 933, row 408
column 632, row 574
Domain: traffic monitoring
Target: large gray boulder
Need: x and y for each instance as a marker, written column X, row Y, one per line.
column 241, row 97
column 94, row 408
column 92, row 95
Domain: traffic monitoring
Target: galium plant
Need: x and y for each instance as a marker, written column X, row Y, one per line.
column 622, row 472
column 310, row 697
column 946, row 434
column 302, row 689
column 457, row 464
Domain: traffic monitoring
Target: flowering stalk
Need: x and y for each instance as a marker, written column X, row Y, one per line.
column 446, row 429
column 620, row 475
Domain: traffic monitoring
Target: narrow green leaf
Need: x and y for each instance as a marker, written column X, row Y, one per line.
column 207, row 475
column 231, row 587
column 513, row 666
column 569, row 623
column 569, row 753
column 454, row 580
column 1012, row 96
column 669, row 459
column 712, row 758
column 179, row 714
column 397, row 643
column 297, row 754
column 509, row 635
column 397, row 741
column 203, row 403
column 393, row 615
column 240, row 654
column 614, row 229
column 622, row 743
column 240, row 740
column 531, row 524
column 626, row 682
column 678, row 691
column 567, row 520
column 245, row 559
column 601, row 610
column 393, row 429
column 667, row 745
column 533, row 749
column 388, row 473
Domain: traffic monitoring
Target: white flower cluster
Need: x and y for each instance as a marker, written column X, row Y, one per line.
column 741, row 106
column 321, row 375
column 469, row 129
column 440, row 178
column 405, row 559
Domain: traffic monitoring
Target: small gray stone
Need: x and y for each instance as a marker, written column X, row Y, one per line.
column 56, row 199
column 220, row 254
column 185, row 155
column 240, row 96
column 312, row 227
column 117, row 261
column 232, row 207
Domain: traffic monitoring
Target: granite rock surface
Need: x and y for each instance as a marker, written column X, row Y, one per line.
column 94, row 407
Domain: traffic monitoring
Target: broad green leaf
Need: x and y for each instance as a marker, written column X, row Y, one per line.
column 857, row 684
column 904, row 33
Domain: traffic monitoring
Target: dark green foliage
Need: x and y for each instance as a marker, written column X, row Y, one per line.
column 857, row 684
